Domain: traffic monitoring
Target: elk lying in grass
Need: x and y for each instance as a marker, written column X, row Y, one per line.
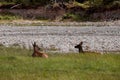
column 37, row 53
column 79, row 46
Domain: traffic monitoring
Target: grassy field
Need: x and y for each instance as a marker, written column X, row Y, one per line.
column 17, row 64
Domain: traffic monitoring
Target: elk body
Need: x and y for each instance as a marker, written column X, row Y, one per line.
column 37, row 53
column 79, row 46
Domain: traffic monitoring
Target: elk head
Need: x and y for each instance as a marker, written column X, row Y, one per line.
column 79, row 47
column 37, row 53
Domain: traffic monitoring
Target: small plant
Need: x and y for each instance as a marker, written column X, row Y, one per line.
column 82, row 5
column 76, row 17
column 71, row 16
column 5, row 15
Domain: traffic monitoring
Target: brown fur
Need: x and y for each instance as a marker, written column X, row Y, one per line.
column 37, row 53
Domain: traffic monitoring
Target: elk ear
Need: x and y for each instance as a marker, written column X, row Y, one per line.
column 34, row 44
column 81, row 43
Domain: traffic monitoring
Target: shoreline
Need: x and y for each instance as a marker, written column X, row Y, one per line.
column 56, row 23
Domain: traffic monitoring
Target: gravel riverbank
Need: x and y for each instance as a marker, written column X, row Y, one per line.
column 62, row 38
column 47, row 23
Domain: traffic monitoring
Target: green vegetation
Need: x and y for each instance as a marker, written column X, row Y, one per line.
column 9, row 16
column 75, row 17
column 83, row 5
column 17, row 64
column 6, row 3
column 94, row 3
column 71, row 16
column 27, row 2
column 78, row 10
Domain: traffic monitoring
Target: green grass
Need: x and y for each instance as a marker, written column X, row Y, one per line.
column 17, row 64
column 9, row 17
column 83, row 5
column 6, row 15
column 6, row 3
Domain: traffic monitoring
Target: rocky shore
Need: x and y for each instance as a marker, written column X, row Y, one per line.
column 63, row 38
column 56, row 23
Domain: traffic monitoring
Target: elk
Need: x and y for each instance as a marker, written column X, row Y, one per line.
column 37, row 53
column 79, row 46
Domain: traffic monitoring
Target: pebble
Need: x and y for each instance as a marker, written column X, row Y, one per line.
column 63, row 38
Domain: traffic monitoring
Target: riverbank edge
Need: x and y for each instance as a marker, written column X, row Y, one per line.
column 56, row 23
